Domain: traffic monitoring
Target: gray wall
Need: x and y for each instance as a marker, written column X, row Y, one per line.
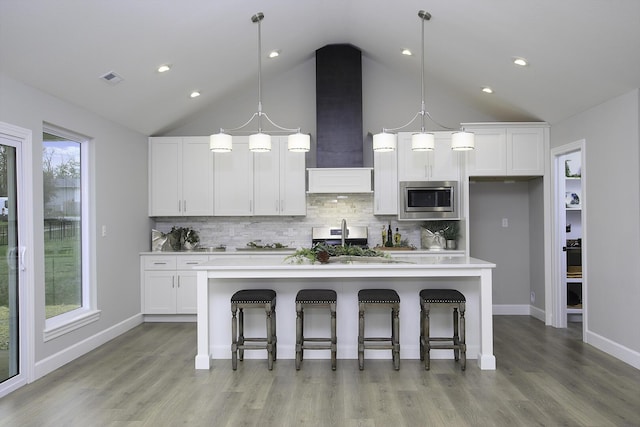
column 119, row 188
column 389, row 100
column 611, row 179
column 508, row 247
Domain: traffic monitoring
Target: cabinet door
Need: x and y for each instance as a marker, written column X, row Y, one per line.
column 233, row 180
column 444, row 163
column 412, row 165
column 266, row 180
column 186, row 292
column 197, row 177
column 489, row 157
column 293, row 193
column 165, row 176
column 159, row 292
column 385, row 182
column 525, row 151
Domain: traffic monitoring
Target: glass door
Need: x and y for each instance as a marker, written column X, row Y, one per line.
column 9, row 272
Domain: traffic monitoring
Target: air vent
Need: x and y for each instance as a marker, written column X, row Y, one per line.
column 111, row 78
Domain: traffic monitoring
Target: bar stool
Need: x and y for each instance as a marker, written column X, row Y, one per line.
column 369, row 298
column 253, row 298
column 451, row 298
column 315, row 298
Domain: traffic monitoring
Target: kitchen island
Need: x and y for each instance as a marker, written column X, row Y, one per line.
column 218, row 279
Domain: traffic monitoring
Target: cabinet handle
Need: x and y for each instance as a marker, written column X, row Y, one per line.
column 178, row 281
column 160, row 263
column 191, row 263
column 179, row 205
column 173, row 282
column 250, row 205
column 281, row 206
column 184, row 203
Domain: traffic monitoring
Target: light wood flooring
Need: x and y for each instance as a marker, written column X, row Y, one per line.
column 146, row 377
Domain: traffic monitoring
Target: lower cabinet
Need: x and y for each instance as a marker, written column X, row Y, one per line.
column 169, row 284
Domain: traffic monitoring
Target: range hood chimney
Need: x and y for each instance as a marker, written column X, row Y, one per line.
column 339, row 107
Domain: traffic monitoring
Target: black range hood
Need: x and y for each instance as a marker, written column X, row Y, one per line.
column 339, row 107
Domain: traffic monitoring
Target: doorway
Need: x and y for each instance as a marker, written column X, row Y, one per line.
column 569, row 288
column 16, row 281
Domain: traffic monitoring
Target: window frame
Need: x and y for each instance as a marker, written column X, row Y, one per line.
column 87, row 313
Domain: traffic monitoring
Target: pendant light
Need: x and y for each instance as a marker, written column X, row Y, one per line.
column 423, row 140
column 261, row 141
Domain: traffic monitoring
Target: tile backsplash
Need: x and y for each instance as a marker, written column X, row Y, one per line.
column 294, row 231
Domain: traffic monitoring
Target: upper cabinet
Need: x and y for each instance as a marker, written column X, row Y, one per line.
column 279, row 181
column 507, row 149
column 269, row 183
column 385, row 183
column 234, row 180
column 441, row 164
column 180, row 176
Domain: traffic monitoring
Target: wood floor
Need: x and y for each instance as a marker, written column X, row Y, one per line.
column 545, row 377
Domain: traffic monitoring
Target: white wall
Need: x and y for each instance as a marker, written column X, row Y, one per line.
column 120, row 188
column 612, row 229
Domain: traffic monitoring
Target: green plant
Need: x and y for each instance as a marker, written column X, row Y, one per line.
column 322, row 252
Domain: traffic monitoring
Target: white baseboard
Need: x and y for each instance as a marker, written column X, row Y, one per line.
column 511, row 310
column 616, row 350
column 55, row 361
column 538, row 313
column 169, row 318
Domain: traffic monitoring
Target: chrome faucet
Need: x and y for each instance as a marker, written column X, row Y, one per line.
column 343, row 231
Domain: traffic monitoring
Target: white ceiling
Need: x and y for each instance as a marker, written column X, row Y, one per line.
column 582, row 52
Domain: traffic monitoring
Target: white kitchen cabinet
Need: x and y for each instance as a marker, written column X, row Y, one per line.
column 279, row 181
column 169, row 283
column 513, row 150
column 441, row 164
column 234, row 180
column 180, row 176
column 385, row 183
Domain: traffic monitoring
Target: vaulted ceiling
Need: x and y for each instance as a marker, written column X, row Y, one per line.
column 581, row 52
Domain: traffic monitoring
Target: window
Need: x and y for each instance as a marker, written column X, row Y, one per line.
column 65, row 200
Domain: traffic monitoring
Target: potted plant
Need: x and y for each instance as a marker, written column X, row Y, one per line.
column 438, row 235
column 451, row 233
column 182, row 238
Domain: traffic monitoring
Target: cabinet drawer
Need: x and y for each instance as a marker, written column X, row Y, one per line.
column 186, row 262
column 160, row 262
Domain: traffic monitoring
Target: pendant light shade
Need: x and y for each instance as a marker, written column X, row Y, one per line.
column 384, row 141
column 220, row 142
column 299, row 142
column 423, row 141
column 462, row 141
column 259, row 142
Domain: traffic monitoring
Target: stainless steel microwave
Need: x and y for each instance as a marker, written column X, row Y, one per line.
column 424, row 200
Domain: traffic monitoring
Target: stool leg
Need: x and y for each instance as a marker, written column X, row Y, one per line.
column 463, row 344
column 395, row 336
column 269, row 313
column 361, row 337
column 456, row 336
column 334, row 339
column 421, row 331
column 299, row 326
column 241, row 334
column 274, row 334
column 427, row 343
column 234, row 337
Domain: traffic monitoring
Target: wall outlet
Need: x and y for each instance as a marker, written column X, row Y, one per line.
column 533, row 297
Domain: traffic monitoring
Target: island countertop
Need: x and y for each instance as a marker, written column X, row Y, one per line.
column 219, row 278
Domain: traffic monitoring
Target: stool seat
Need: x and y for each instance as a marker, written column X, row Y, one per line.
column 316, row 296
column 441, row 296
column 254, row 296
column 378, row 296
column 387, row 298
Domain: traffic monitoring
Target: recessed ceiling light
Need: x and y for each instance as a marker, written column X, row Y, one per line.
column 487, row 89
column 406, row 52
column 164, row 68
column 274, row 53
column 194, row 94
column 520, row 62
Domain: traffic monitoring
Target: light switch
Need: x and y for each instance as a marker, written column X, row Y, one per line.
column 505, row 222
column 104, row 231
